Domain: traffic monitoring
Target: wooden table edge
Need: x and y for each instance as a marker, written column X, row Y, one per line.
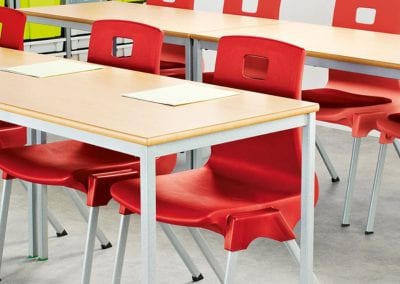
column 157, row 140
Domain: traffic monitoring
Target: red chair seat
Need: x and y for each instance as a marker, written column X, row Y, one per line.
column 207, row 200
column 389, row 127
column 350, row 109
column 65, row 163
column 334, row 98
column 11, row 135
column 172, row 56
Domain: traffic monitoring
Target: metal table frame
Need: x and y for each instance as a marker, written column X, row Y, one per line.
column 148, row 155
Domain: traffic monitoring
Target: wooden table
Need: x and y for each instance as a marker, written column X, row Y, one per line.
column 352, row 50
column 331, row 47
column 99, row 115
column 177, row 24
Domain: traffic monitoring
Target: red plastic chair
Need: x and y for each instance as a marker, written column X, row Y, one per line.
column 81, row 166
column 357, row 100
column 173, row 56
column 265, row 8
column 13, row 26
column 390, row 130
column 249, row 188
column 11, row 135
column 12, row 36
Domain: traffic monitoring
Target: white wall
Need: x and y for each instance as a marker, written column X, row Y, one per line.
column 310, row 11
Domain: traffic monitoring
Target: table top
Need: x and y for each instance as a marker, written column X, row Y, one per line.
column 174, row 22
column 348, row 45
column 92, row 102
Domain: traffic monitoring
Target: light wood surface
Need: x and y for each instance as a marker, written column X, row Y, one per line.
column 174, row 22
column 349, row 45
column 92, row 101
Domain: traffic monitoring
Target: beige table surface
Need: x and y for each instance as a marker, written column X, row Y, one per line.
column 92, row 101
column 348, row 45
column 174, row 22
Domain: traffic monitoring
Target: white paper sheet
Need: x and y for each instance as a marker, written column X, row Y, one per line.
column 52, row 68
column 182, row 94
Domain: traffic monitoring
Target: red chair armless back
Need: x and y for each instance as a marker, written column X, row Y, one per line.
column 12, row 28
column 387, row 15
column 277, row 69
column 183, row 4
column 146, row 51
column 265, row 8
column 387, row 20
column 257, row 64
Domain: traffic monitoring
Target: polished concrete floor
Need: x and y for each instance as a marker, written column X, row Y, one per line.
column 342, row 255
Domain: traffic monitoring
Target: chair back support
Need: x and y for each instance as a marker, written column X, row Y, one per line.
column 12, row 28
column 268, row 158
column 384, row 16
column 146, row 49
column 260, row 65
column 265, row 8
column 182, row 4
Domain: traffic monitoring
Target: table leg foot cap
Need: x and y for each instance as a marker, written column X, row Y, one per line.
column 106, row 246
column 62, row 234
column 197, row 278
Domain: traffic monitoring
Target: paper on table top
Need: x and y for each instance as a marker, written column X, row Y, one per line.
column 52, row 68
column 181, row 94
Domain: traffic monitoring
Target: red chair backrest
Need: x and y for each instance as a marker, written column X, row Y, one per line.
column 146, row 50
column 387, row 20
column 12, row 28
column 183, row 4
column 259, row 64
column 276, row 155
column 387, row 15
column 265, row 8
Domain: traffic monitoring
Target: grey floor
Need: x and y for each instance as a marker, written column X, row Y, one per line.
column 342, row 255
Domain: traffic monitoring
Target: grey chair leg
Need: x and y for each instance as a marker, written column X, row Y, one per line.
column 326, row 160
column 89, row 249
column 5, row 203
column 121, row 245
column 196, row 275
column 43, row 247
column 350, row 183
column 396, row 145
column 83, row 210
column 230, row 267
column 60, row 230
column 205, row 249
column 375, row 189
column 294, row 250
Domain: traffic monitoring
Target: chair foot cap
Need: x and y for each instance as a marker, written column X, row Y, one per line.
column 197, row 278
column 42, row 258
column 32, row 256
column 336, row 179
column 106, row 246
column 345, row 225
column 62, row 234
column 369, row 232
